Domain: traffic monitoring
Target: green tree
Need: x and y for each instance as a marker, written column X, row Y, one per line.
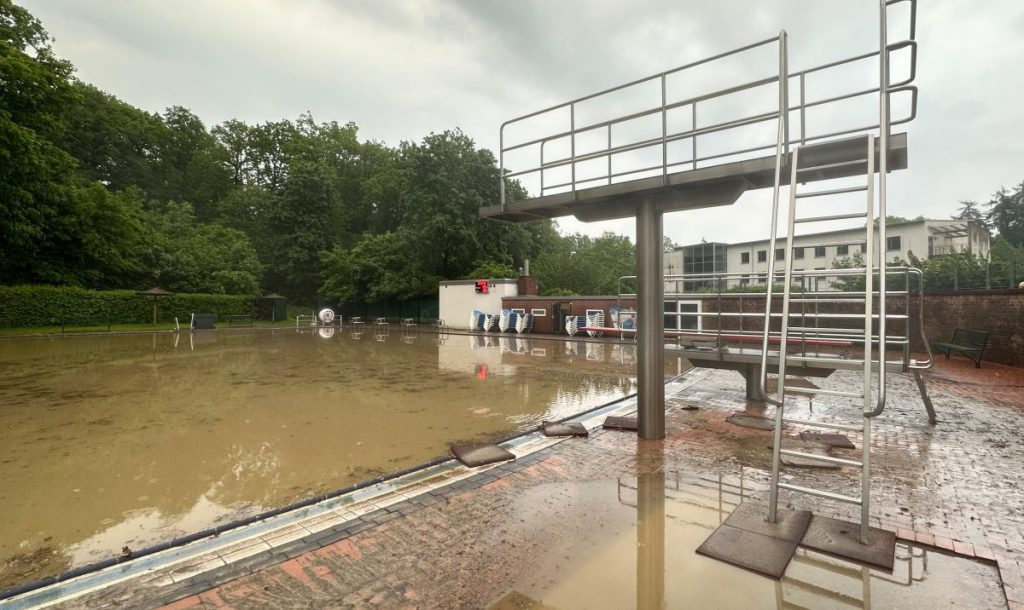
column 114, row 142
column 1006, row 214
column 969, row 211
column 584, row 265
column 491, row 269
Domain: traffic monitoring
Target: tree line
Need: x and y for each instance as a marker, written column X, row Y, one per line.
column 97, row 193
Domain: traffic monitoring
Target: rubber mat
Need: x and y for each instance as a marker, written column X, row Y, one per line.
column 480, row 455
column 842, row 539
column 839, row 441
column 751, row 421
column 746, row 540
column 620, row 423
column 564, row 429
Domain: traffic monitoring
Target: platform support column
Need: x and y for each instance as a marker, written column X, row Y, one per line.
column 650, row 322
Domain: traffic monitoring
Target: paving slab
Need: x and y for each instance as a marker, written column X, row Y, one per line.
column 620, row 423
column 564, row 429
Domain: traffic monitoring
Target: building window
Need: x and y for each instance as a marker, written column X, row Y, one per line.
column 819, row 251
column 762, row 256
column 744, row 257
column 520, row 312
column 892, row 243
column 538, row 313
column 798, row 253
column 863, row 248
column 842, row 250
column 780, row 254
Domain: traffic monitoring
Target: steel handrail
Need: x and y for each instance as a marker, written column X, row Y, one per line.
column 694, row 133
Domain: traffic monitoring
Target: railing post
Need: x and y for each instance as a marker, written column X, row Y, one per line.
column 501, row 165
column 784, row 86
column 609, row 153
column 664, row 134
column 572, row 145
column 693, row 129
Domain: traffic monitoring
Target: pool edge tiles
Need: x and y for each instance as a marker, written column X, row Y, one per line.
column 281, row 535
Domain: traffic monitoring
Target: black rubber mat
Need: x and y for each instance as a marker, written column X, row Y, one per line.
column 564, row 429
column 746, row 539
column 839, row 441
column 790, row 525
column 480, row 455
column 751, row 421
column 842, row 539
column 620, row 423
column 761, row 554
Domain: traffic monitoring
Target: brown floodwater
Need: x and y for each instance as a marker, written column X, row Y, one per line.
column 128, row 440
column 630, row 542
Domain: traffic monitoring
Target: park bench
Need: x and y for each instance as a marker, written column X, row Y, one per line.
column 238, row 320
column 967, row 342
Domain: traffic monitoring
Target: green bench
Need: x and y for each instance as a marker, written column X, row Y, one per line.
column 970, row 343
column 238, row 320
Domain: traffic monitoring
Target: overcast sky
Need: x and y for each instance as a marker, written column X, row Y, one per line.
column 401, row 70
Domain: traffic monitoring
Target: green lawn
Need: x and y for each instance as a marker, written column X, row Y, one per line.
column 129, row 328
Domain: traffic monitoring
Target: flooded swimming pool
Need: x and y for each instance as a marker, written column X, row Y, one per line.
column 114, row 441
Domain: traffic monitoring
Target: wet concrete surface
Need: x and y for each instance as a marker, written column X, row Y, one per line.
column 613, row 522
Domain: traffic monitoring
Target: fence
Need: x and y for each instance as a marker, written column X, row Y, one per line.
column 961, row 276
column 421, row 310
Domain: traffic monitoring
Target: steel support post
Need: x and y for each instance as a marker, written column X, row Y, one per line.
column 650, row 540
column 651, row 323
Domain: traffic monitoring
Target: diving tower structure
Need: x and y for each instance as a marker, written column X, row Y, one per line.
column 702, row 134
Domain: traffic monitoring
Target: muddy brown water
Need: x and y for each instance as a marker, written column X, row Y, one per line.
column 113, row 441
column 630, row 543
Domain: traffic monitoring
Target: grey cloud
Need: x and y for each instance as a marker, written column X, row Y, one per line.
column 403, row 69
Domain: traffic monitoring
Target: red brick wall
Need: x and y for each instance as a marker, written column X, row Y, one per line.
column 999, row 312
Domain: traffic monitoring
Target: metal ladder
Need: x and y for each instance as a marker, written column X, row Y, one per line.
column 872, row 404
column 866, row 394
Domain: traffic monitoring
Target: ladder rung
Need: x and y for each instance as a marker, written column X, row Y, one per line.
column 829, row 426
column 855, row 301
column 800, row 390
column 830, row 217
column 828, row 459
column 828, row 166
column 849, row 189
column 821, row 494
column 841, row 316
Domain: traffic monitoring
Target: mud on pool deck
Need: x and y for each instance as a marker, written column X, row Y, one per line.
column 611, row 521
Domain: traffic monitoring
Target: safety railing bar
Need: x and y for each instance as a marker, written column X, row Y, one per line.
column 656, row 141
column 646, row 112
column 643, row 80
column 742, row 122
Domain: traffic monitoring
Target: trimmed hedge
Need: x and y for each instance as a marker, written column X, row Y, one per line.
column 23, row 306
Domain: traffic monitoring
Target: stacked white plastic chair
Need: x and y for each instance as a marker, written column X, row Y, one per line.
column 505, row 320
column 595, row 320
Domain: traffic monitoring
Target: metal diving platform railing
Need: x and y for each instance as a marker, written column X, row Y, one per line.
column 651, row 132
column 725, row 320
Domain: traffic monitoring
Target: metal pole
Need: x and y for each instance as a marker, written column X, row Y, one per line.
column 651, row 332
column 650, row 540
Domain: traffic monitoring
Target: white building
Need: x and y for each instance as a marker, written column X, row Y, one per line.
column 924, row 238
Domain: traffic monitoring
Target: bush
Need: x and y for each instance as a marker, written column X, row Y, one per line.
column 25, row 306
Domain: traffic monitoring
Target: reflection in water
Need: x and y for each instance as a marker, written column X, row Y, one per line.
column 650, row 530
column 632, row 541
column 129, row 440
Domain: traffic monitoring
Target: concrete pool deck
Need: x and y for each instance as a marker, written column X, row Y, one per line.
column 454, row 537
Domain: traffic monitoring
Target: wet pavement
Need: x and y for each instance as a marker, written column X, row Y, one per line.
column 613, row 522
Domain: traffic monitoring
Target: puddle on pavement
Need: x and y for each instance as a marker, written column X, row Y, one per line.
column 115, row 441
column 630, row 543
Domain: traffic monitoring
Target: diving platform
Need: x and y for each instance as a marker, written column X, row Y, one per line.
column 703, row 187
